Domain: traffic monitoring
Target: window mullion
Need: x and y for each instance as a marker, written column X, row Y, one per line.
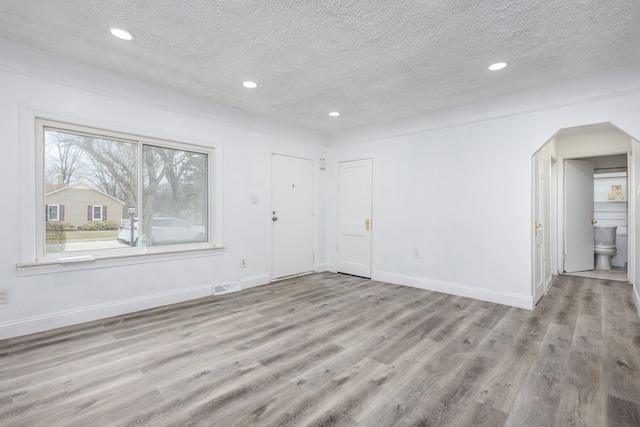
column 140, row 192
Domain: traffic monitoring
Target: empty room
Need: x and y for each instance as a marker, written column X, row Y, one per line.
column 320, row 213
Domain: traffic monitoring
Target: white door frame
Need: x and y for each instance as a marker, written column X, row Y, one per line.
column 632, row 174
column 559, row 203
column 540, row 224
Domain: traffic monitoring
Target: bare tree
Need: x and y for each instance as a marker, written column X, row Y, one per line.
column 174, row 181
column 112, row 168
column 154, row 172
column 181, row 169
column 62, row 157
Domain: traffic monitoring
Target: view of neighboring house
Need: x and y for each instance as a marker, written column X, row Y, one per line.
column 78, row 204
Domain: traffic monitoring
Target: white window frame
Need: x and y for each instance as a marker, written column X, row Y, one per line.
column 93, row 213
column 33, row 259
column 57, row 218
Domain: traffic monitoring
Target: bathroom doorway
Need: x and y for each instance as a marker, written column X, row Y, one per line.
column 595, row 195
column 611, row 149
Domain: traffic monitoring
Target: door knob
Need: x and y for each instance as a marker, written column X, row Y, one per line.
column 594, row 221
column 275, row 218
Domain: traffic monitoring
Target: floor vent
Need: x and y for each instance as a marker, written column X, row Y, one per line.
column 226, row 289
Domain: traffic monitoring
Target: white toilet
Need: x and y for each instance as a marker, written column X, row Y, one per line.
column 604, row 246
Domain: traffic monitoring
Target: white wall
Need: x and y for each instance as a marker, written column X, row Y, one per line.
column 455, row 185
column 634, row 35
column 461, row 192
column 616, row 161
column 38, row 83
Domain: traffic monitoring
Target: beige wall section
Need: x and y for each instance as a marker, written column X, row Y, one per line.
column 76, row 199
column 593, row 140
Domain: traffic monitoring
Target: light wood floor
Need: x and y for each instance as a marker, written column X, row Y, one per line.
column 336, row 350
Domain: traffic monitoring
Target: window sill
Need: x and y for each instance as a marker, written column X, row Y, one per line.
column 109, row 261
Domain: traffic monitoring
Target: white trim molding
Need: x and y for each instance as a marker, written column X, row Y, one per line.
column 50, row 321
column 321, row 268
column 97, row 312
column 548, row 283
column 636, row 299
column 505, row 298
column 253, row 281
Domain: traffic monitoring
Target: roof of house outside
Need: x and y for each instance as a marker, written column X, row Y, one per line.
column 57, row 188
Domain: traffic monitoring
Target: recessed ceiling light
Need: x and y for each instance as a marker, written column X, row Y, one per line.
column 334, row 114
column 122, row 34
column 250, row 85
column 497, row 66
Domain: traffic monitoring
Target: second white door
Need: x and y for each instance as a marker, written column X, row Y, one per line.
column 578, row 209
column 354, row 217
column 538, row 228
column 292, row 216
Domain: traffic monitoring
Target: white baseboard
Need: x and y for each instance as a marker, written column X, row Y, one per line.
column 636, row 298
column 548, row 283
column 505, row 298
column 320, row 268
column 88, row 314
column 253, row 281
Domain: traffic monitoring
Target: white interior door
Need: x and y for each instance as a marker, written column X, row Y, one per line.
column 634, row 212
column 354, row 217
column 578, row 214
column 539, row 258
column 292, row 215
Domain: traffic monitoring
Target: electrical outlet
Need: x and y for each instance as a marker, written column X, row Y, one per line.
column 4, row 296
column 243, row 263
column 416, row 253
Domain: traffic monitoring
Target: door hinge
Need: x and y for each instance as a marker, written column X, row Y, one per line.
column 564, row 257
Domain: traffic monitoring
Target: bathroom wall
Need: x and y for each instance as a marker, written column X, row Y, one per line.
column 614, row 161
column 617, row 210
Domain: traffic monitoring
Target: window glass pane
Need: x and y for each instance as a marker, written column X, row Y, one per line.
column 175, row 192
column 97, row 213
column 53, row 213
column 84, row 174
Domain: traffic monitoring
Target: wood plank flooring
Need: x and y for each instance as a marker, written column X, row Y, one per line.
column 337, row 350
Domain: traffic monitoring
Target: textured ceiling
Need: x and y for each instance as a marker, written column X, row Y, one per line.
column 374, row 61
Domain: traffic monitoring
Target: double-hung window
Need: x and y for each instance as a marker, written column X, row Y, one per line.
column 53, row 213
column 96, row 213
column 116, row 187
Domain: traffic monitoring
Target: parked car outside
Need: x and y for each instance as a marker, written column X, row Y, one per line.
column 164, row 231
